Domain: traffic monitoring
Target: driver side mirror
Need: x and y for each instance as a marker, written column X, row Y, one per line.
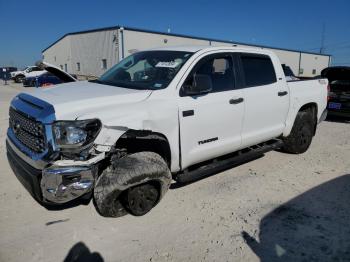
column 201, row 84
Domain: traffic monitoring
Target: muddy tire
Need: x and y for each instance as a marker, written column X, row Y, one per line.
column 134, row 184
column 301, row 135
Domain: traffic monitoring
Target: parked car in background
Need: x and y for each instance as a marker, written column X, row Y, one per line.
column 46, row 79
column 5, row 72
column 29, row 71
column 339, row 90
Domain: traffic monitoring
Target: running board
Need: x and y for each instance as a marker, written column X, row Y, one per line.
column 218, row 164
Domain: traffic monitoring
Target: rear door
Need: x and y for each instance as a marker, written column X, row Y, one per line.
column 266, row 98
column 210, row 124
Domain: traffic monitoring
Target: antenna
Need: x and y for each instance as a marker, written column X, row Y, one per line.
column 322, row 38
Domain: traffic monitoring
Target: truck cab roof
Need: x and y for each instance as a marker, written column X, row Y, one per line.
column 196, row 48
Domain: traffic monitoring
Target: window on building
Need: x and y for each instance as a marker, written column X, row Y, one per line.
column 104, row 63
column 314, row 71
column 301, row 71
column 61, row 66
column 55, row 58
column 65, row 67
column 78, row 66
column 258, row 70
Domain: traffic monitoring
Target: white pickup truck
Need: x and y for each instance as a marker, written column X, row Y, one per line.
column 29, row 71
column 178, row 113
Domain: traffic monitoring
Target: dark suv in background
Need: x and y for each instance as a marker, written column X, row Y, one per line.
column 5, row 72
column 339, row 93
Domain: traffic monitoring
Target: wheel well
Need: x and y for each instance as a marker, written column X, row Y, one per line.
column 311, row 107
column 134, row 141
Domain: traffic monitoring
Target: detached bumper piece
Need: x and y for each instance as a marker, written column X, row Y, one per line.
column 52, row 185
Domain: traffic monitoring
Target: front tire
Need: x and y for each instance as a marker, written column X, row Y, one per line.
column 134, row 183
column 19, row 78
column 301, row 135
column 139, row 200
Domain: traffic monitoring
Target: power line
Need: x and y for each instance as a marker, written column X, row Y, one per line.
column 322, row 38
column 328, row 46
column 342, row 47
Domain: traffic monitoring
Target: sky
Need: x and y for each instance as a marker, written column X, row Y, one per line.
column 28, row 27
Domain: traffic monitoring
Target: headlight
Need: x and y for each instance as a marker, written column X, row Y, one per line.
column 75, row 134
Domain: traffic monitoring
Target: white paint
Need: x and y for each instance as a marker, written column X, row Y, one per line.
column 262, row 116
column 171, row 64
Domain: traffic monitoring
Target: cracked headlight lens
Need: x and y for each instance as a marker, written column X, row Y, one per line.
column 75, row 134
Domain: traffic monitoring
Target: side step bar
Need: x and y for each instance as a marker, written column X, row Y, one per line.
column 210, row 168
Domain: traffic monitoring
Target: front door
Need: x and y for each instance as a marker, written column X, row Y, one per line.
column 210, row 124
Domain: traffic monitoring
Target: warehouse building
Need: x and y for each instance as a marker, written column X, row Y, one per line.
column 91, row 53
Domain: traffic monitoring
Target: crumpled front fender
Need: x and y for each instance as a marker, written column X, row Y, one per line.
column 109, row 135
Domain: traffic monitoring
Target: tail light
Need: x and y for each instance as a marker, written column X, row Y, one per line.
column 46, row 84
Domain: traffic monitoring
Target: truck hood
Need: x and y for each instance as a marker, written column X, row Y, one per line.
column 71, row 100
column 54, row 70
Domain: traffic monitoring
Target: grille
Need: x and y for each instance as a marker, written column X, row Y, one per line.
column 28, row 131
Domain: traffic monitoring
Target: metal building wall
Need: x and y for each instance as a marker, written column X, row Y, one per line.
column 59, row 54
column 289, row 58
column 312, row 65
column 89, row 49
column 136, row 41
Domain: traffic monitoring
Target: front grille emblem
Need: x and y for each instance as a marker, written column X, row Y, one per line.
column 16, row 127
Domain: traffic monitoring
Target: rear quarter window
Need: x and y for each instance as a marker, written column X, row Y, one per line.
column 258, row 70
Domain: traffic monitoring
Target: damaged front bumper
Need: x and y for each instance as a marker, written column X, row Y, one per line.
column 58, row 183
column 63, row 184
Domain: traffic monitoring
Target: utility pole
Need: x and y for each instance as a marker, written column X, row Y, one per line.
column 322, row 38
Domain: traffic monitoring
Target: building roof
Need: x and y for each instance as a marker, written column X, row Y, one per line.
column 179, row 35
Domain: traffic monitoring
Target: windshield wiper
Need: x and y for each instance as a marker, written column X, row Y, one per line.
column 96, row 81
column 122, row 85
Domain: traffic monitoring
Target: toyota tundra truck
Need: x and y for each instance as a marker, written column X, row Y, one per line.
column 179, row 113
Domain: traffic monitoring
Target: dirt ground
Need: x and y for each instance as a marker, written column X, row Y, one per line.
column 279, row 207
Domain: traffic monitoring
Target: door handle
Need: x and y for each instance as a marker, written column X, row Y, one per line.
column 187, row 113
column 282, row 93
column 236, row 101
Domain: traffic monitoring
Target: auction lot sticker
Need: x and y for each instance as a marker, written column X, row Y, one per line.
column 171, row 64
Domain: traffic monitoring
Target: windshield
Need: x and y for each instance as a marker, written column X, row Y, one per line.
column 146, row 70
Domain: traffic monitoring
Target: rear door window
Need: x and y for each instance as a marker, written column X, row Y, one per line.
column 258, row 70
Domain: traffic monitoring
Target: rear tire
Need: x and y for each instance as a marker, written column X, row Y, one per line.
column 134, row 183
column 301, row 135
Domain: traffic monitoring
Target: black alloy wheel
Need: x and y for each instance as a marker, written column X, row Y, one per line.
column 141, row 199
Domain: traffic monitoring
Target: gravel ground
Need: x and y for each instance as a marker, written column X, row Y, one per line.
column 279, row 207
